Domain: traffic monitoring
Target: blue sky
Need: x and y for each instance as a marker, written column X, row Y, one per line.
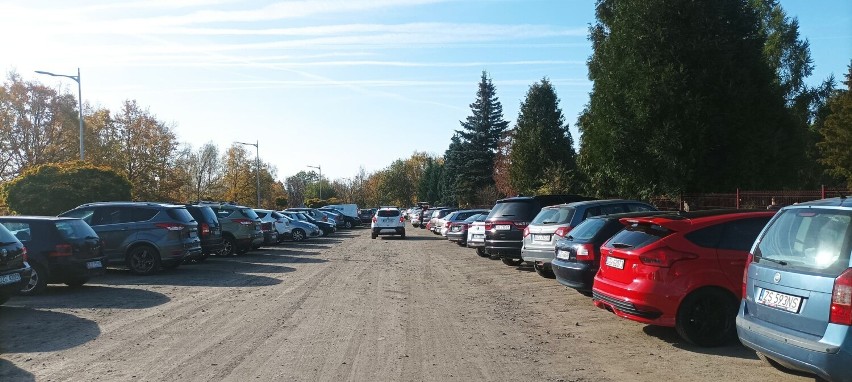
column 336, row 83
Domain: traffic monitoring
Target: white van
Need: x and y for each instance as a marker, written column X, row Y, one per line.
column 350, row 210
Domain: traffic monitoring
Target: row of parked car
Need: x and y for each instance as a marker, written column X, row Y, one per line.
column 779, row 281
column 143, row 237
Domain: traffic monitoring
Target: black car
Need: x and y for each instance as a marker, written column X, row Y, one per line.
column 14, row 271
column 348, row 221
column 504, row 227
column 209, row 231
column 366, row 215
column 457, row 232
column 578, row 254
column 60, row 250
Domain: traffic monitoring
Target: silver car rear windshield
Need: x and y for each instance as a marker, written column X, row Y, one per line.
column 808, row 238
column 554, row 216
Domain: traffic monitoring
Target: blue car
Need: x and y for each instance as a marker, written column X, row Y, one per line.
column 796, row 311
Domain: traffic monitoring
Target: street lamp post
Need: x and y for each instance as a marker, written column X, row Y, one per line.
column 79, row 98
column 320, row 179
column 256, row 166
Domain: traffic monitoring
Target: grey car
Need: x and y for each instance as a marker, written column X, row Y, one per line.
column 143, row 236
column 240, row 227
column 796, row 311
column 555, row 222
column 301, row 230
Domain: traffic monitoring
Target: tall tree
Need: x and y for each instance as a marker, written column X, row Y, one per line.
column 479, row 138
column 457, row 185
column 542, row 145
column 683, row 100
column 837, row 133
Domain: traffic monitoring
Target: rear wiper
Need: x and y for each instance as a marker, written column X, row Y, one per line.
column 621, row 245
column 570, row 238
column 507, row 215
column 8, row 242
column 549, row 222
column 779, row 262
column 91, row 237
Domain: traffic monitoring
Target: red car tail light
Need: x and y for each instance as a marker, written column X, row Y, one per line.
column 205, row 229
column 374, row 219
column 584, row 252
column 562, row 231
column 841, row 299
column 170, row 226
column 402, row 219
column 243, row 221
column 526, row 231
column 448, row 225
column 489, row 226
column 664, row 257
column 24, row 254
column 60, row 250
column 749, row 260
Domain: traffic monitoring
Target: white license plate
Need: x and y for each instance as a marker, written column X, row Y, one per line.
column 562, row 254
column 477, row 236
column 780, row 300
column 456, row 229
column 94, row 264
column 10, row 278
column 503, row 227
column 540, row 237
column 615, row 262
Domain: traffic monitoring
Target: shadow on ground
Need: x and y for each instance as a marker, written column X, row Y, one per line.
column 734, row 349
column 92, row 296
column 10, row 372
column 212, row 273
column 27, row 330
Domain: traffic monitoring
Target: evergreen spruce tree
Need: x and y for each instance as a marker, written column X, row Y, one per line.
column 683, row 101
column 837, row 133
column 542, row 145
column 478, row 139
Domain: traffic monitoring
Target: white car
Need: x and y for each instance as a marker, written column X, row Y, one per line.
column 476, row 238
column 388, row 221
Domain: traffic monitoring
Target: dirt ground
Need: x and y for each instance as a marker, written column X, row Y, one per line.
column 346, row 308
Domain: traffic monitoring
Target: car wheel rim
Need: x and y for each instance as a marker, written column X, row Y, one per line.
column 297, row 236
column 143, row 260
column 31, row 285
column 707, row 318
column 226, row 248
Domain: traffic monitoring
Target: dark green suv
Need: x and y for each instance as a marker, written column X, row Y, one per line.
column 240, row 227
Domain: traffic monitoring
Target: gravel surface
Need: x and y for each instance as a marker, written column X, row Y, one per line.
column 346, row 307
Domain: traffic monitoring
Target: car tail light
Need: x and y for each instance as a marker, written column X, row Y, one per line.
column 24, row 254
column 243, row 221
column 60, row 250
column 584, row 252
column 205, row 229
column 841, row 299
column 374, row 219
column 665, row 257
column 402, row 219
column 749, row 259
column 489, row 226
column 448, row 225
column 526, row 231
column 562, row 231
column 170, row 226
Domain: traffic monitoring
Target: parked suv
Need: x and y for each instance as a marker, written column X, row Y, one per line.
column 388, row 221
column 796, row 311
column 14, row 270
column 60, row 250
column 209, row 231
column 240, row 227
column 366, row 215
column 144, row 236
column 279, row 223
column 504, row 227
column 578, row 254
column 554, row 222
column 680, row 270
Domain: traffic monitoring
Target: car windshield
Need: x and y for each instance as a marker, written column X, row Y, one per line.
column 209, row 214
column 554, row 215
column 74, row 229
column 587, row 229
column 6, row 236
column 522, row 210
column 637, row 236
column 387, row 213
column 249, row 213
column 474, row 218
column 812, row 239
column 180, row 214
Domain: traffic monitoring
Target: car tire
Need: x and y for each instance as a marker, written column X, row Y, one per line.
column 298, row 234
column 143, row 260
column 228, row 245
column 512, row 262
column 481, row 252
column 373, row 235
column 707, row 318
column 37, row 283
column 544, row 271
column 76, row 283
column 402, row 235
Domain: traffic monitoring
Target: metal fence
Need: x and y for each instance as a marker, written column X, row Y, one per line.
column 744, row 199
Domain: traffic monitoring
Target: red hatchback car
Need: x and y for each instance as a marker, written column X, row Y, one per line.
column 681, row 270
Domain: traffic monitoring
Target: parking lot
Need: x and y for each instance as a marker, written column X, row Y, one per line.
column 345, row 307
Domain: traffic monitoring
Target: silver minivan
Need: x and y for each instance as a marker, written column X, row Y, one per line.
column 796, row 311
column 554, row 222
